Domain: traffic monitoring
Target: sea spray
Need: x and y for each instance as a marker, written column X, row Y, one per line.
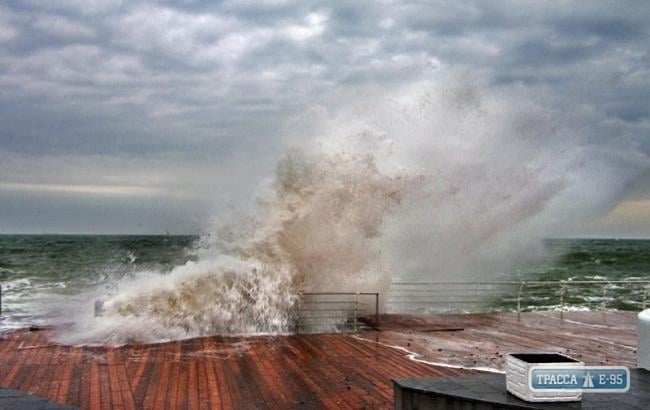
column 431, row 183
column 318, row 229
column 498, row 172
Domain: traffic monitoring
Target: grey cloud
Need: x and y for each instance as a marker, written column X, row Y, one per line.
column 201, row 85
column 60, row 26
column 77, row 7
column 539, row 52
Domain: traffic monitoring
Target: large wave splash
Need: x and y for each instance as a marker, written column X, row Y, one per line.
column 318, row 229
column 429, row 183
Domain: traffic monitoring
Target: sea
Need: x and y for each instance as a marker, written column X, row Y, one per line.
column 580, row 273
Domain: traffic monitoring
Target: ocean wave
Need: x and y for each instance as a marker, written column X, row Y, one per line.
column 318, row 230
column 7, row 271
column 427, row 182
column 16, row 285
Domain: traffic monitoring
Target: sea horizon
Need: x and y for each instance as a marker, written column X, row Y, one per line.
column 198, row 235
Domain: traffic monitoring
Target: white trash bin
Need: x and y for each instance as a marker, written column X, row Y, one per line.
column 518, row 366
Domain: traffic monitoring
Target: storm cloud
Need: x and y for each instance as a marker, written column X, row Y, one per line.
column 146, row 116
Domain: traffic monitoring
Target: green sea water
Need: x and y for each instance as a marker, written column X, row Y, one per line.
column 593, row 274
column 34, row 267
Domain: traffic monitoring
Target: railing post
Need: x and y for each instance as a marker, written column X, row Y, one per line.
column 604, row 303
column 521, row 288
column 377, row 309
column 562, row 291
column 356, row 306
column 0, row 300
column 300, row 297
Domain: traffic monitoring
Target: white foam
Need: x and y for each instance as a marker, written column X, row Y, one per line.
column 318, row 229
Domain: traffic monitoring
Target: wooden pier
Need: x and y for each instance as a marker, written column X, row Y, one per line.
column 348, row 371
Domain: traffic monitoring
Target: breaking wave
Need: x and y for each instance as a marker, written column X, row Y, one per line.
column 432, row 183
column 318, row 229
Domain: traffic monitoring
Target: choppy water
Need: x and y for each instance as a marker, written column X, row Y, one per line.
column 33, row 269
column 585, row 260
column 575, row 274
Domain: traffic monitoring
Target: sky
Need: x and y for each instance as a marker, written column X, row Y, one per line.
column 154, row 116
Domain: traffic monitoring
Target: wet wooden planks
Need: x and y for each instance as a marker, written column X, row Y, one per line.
column 301, row 371
column 298, row 371
column 597, row 338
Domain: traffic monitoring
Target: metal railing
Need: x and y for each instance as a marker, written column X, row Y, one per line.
column 319, row 312
column 336, row 311
column 517, row 296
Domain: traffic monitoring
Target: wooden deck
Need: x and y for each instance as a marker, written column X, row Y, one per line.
column 482, row 340
column 299, row 371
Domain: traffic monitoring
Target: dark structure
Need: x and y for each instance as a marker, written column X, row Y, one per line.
column 488, row 392
column 16, row 400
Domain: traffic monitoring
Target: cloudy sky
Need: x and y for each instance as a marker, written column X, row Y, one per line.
column 143, row 116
